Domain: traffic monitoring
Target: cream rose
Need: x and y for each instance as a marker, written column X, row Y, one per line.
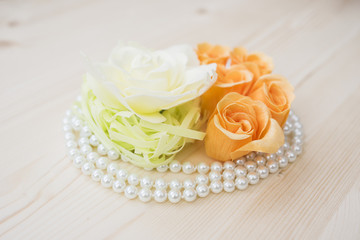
column 146, row 81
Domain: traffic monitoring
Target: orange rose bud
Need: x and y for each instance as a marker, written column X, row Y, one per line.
column 236, row 78
column 277, row 94
column 264, row 62
column 208, row 53
column 240, row 125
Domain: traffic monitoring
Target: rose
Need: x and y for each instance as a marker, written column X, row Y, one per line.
column 208, row 53
column 277, row 94
column 147, row 82
column 236, row 78
column 237, row 71
column 240, row 125
column 262, row 61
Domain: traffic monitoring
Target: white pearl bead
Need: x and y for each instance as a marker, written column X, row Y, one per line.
column 287, row 128
column 280, row 152
column 133, row 179
column 87, row 168
column 229, row 165
column 74, row 118
column 216, row 186
column 188, row 183
column 202, row 190
column 85, row 149
column 241, row 183
column 146, row 182
column 216, row 166
column 297, row 141
column 122, row 174
column 203, row 168
column 291, row 156
column 175, row 184
column 85, row 132
column 188, row 168
column 175, row 166
column 112, row 168
column 160, row 184
column 298, row 133
column 297, row 149
column 298, row 125
column 69, row 136
column 201, row 179
column 92, row 157
column 286, row 146
column 240, row 171
column 94, row 141
column 145, row 195
column 71, row 144
column 295, row 118
column 97, row 174
column 67, row 128
column 102, row 149
column 250, row 156
column 229, row 186
column 189, row 194
column 162, row 168
column 273, row 166
column 174, row 196
column 107, row 180
column 160, row 195
column 250, row 166
column 102, row 162
column 283, row 161
column 76, row 125
column 240, row 161
column 73, row 152
column 131, row 192
column 112, row 154
column 78, row 161
column 83, row 141
column 260, row 160
column 262, row 171
column 228, row 175
column 253, row 177
column 215, row 176
column 270, row 156
column 119, row 186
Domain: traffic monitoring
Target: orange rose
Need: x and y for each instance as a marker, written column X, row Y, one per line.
column 264, row 62
column 208, row 53
column 237, row 71
column 237, row 78
column 240, row 125
column 277, row 94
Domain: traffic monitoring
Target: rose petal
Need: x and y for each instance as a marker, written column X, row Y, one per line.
column 270, row 143
column 219, row 142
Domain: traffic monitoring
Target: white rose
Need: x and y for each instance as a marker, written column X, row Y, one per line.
column 146, row 81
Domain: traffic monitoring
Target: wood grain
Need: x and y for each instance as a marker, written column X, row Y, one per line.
column 314, row 43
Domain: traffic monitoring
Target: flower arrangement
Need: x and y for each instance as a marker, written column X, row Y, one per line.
column 146, row 104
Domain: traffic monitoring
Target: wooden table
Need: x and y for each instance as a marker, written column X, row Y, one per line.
column 316, row 44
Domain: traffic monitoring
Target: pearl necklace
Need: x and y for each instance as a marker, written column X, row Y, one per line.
column 101, row 165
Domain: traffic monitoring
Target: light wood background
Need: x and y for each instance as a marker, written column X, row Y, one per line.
column 316, row 44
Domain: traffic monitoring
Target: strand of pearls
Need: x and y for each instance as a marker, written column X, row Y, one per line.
column 88, row 154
